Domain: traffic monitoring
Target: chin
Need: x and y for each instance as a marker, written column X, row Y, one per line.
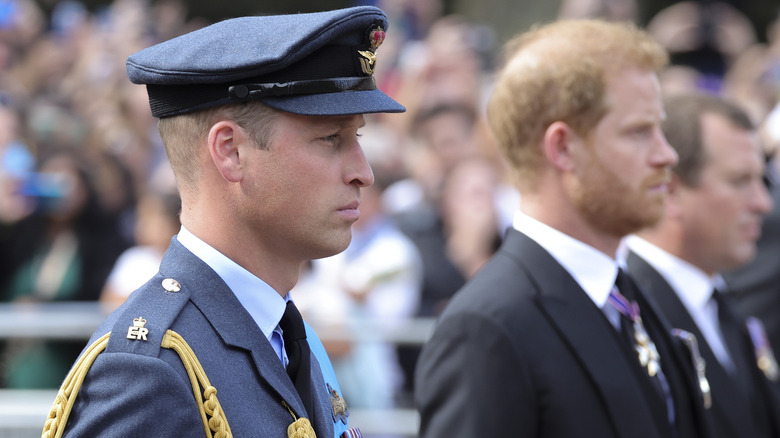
column 329, row 249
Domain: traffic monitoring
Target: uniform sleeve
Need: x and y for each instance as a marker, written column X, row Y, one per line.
column 128, row 395
column 470, row 382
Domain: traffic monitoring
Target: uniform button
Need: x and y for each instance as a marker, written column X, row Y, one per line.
column 171, row 285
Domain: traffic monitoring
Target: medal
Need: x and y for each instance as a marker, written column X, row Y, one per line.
column 644, row 346
column 765, row 357
column 690, row 342
column 645, row 349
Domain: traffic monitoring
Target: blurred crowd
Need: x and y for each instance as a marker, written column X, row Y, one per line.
column 88, row 202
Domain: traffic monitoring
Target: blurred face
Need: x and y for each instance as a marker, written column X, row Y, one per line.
column 621, row 184
column 450, row 137
column 61, row 174
column 303, row 192
column 722, row 214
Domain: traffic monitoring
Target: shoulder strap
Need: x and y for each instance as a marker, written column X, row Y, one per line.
column 214, row 421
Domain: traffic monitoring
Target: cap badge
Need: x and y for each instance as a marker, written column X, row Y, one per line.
column 339, row 405
column 375, row 38
column 137, row 332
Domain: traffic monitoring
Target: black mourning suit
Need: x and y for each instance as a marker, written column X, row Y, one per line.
column 523, row 351
column 742, row 405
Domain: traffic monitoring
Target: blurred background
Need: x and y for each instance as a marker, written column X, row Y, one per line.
column 88, row 203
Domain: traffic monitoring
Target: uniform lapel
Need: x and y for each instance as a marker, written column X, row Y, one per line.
column 589, row 335
column 233, row 323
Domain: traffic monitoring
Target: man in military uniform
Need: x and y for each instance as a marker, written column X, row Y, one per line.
column 259, row 117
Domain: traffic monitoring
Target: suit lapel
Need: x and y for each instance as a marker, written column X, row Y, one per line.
column 588, row 334
column 726, row 408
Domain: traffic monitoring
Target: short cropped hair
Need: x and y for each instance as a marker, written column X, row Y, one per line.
column 683, row 129
column 182, row 134
column 558, row 72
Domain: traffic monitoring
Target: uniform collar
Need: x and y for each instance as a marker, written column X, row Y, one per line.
column 262, row 302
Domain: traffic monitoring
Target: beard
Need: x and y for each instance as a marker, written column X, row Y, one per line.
column 609, row 204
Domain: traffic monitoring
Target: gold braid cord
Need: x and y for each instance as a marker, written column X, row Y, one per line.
column 66, row 397
column 210, row 410
column 300, row 428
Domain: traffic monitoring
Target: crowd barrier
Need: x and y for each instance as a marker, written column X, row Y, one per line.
column 23, row 412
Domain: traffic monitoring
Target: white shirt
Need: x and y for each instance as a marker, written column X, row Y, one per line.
column 593, row 270
column 263, row 303
column 693, row 287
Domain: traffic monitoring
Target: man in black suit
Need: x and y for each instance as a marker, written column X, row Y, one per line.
column 535, row 344
column 713, row 218
column 756, row 286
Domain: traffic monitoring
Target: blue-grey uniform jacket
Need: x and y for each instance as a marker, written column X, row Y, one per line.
column 137, row 388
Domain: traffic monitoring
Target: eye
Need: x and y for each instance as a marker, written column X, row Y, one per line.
column 641, row 131
column 331, row 138
column 337, row 137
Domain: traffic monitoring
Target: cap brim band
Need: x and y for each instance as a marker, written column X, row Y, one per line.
column 336, row 104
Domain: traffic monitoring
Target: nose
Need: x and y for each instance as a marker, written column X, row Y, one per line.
column 664, row 155
column 358, row 170
column 762, row 201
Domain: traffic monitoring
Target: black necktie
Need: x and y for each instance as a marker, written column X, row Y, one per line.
column 732, row 335
column 299, row 367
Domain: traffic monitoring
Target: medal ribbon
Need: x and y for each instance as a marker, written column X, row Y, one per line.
column 625, row 307
column 765, row 357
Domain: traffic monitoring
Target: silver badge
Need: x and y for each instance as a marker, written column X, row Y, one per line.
column 137, row 331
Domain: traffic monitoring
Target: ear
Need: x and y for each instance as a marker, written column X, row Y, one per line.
column 558, row 142
column 224, row 139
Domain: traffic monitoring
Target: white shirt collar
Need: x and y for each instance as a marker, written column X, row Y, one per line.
column 593, row 270
column 693, row 286
column 262, row 302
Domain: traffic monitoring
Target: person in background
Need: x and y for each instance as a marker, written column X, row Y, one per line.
column 157, row 221
column 533, row 345
column 376, row 280
column 713, row 218
column 260, row 117
column 62, row 250
column 455, row 222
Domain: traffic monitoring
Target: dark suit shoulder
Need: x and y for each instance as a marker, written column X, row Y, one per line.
column 500, row 289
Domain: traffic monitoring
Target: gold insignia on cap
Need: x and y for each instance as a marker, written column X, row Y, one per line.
column 171, row 285
column 375, row 38
column 340, row 411
column 137, row 332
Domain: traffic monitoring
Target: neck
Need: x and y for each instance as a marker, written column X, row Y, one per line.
column 564, row 218
column 231, row 240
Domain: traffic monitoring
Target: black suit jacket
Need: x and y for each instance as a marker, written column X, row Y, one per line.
column 741, row 405
column 756, row 286
column 522, row 350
